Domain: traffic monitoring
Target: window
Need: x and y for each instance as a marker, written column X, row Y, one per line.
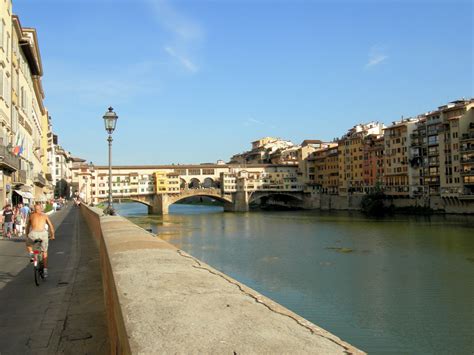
column 208, row 171
column 2, row 31
column 1, row 84
column 8, row 46
column 433, row 140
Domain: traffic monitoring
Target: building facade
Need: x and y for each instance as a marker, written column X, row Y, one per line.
column 23, row 117
column 399, row 176
column 351, row 149
column 129, row 182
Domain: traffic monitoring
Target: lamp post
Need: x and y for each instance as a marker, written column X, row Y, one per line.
column 110, row 120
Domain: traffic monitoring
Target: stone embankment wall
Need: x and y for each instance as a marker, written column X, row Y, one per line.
column 160, row 299
column 335, row 202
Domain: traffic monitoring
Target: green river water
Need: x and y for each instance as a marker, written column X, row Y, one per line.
column 398, row 285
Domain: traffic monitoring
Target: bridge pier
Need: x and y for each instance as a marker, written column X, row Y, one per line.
column 240, row 201
column 159, row 204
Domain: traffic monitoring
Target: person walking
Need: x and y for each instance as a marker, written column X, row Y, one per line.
column 18, row 220
column 7, row 221
column 25, row 211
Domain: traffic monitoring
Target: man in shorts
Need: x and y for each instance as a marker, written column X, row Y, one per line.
column 7, row 221
column 36, row 229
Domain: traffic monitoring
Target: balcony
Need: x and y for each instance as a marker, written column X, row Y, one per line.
column 467, row 172
column 469, row 160
column 19, row 177
column 468, row 148
column 39, row 180
column 8, row 161
column 467, row 136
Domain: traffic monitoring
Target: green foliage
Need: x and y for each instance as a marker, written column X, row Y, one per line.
column 48, row 207
column 373, row 204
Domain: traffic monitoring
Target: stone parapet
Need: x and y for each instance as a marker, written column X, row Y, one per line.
column 160, row 299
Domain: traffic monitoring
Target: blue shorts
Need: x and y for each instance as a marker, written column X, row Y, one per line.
column 8, row 226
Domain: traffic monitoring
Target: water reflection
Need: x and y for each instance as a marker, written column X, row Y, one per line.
column 404, row 285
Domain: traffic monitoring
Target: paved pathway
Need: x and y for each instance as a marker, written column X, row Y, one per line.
column 66, row 313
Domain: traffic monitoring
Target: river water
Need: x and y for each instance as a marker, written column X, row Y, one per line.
column 398, row 285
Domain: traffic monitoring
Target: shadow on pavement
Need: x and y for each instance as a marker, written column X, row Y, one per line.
column 49, row 318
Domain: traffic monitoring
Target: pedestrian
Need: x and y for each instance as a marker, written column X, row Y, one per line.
column 55, row 206
column 25, row 212
column 18, row 220
column 7, row 221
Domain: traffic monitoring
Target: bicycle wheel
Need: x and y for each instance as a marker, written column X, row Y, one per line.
column 41, row 269
column 37, row 275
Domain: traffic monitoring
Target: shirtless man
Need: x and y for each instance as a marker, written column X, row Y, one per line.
column 36, row 229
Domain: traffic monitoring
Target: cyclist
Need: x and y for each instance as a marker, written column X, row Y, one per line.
column 37, row 223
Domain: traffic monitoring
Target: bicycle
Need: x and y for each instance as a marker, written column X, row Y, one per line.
column 38, row 262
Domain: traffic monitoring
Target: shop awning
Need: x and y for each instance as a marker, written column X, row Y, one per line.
column 25, row 194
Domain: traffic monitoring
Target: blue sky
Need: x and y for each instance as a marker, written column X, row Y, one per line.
column 195, row 81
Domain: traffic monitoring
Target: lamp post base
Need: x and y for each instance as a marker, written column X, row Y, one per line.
column 110, row 211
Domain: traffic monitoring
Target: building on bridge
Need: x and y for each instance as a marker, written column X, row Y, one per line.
column 163, row 185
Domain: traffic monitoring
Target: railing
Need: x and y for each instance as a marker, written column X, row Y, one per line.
column 467, row 136
column 19, row 177
column 39, row 180
column 8, row 160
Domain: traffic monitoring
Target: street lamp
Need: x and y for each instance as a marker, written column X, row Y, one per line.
column 110, row 120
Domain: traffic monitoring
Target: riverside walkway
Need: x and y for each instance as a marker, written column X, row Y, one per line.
column 65, row 314
column 158, row 299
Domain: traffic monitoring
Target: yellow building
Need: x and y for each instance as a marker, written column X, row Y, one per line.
column 28, row 111
column 23, row 117
column 9, row 163
column 326, row 169
column 167, row 182
column 351, row 157
column 398, row 174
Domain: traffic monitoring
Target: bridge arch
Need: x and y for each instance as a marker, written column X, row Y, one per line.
column 257, row 195
column 181, row 197
column 209, row 183
column 194, row 183
column 143, row 201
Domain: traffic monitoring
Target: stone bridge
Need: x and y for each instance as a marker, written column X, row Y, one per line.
column 233, row 202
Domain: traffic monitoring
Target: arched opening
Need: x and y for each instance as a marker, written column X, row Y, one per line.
column 199, row 204
column 62, row 189
column 182, row 184
column 276, row 201
column 194, row 183
column 209, row 183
